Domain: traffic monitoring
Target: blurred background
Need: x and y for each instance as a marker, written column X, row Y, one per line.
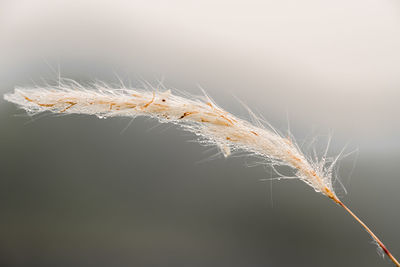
column 80, row 191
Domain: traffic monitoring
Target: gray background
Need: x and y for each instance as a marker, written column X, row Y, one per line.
column 75, row 191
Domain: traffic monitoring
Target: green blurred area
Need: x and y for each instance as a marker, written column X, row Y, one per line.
column 77, row 191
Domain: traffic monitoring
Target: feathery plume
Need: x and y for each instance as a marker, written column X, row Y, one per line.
column 203, row 118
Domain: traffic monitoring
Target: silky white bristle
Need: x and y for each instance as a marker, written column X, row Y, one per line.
column 203, row 118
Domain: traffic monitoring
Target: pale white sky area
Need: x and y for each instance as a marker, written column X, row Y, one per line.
column 333, row 64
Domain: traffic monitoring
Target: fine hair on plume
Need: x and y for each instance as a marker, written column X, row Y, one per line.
column 199, row 115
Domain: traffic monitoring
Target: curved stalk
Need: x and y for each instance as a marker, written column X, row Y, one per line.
column 378, row 241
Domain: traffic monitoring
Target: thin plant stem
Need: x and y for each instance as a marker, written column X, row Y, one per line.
column 378, row 241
